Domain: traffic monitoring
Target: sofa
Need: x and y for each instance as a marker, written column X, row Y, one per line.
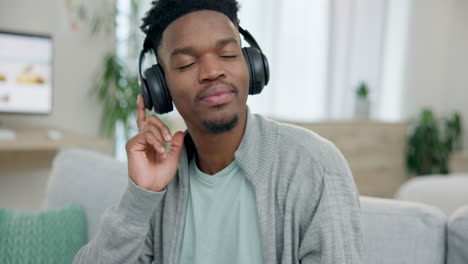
column 393, row 231
column 446, row 192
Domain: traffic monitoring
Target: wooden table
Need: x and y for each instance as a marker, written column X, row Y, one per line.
column 33, row 148
column 25, row 164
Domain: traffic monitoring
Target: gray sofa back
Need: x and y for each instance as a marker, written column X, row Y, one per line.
column 92, row 180
column 457, row 239
column 447, row 192
column 393, row 231
column 402, row 232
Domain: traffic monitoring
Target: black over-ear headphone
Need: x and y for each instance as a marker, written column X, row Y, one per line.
column 154, row 88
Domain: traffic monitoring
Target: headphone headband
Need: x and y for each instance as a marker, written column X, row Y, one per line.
column 147, row 45
column 140, row 61
column 156, row 93
column 249, row 38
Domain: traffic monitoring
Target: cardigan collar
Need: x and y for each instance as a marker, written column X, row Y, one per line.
column 256, row 152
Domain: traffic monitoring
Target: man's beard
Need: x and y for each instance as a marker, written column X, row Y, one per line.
column 218, row 127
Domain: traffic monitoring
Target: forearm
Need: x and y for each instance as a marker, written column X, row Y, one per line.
column 125, row 235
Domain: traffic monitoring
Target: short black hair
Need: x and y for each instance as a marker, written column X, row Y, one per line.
column 164, row 12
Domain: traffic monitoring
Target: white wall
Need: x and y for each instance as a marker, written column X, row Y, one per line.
column 458, row 62
column 76, row 57
column 437, row 69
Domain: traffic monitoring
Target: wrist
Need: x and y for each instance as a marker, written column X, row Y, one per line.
column 149, row 187
column 152, row 188
column 137, row 204
column 158, row 189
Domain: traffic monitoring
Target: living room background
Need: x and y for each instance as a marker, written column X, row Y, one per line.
column 319, row 52
column 421, row 46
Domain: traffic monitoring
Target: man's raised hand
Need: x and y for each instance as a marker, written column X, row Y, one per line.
column 149, row 165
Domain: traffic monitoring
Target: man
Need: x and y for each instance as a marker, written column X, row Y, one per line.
column 237, row 187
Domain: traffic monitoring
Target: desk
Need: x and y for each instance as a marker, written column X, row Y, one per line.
column 32, row 147
column 25, row 164
column 35, row 139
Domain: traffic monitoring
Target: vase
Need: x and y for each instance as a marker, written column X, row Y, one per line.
column 361, row 108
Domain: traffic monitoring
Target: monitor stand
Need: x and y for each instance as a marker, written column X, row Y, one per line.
column 6, row 133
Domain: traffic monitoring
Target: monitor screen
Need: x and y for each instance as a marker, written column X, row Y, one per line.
column 26, row 65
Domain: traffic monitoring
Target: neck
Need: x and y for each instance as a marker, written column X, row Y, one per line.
column 216, row 151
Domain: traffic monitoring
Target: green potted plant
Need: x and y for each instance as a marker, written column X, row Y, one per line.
column 117, row 89
column 116, row 81
column 362, row 103
column 431, row 142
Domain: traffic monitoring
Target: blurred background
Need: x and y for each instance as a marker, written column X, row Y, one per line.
column 385, row 80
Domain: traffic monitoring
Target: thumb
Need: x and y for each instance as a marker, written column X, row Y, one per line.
column 177, row 144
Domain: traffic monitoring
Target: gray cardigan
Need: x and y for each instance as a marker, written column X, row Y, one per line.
column 307, row 204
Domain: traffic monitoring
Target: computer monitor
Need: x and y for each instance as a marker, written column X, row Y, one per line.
column 26, row 66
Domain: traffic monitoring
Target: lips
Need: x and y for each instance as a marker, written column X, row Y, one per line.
column 217, row 95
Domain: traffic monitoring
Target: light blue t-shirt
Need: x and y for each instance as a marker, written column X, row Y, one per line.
column 221, row 225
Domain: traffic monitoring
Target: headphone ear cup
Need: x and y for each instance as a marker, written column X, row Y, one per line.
column 258, row 69
column 266, row 68
column 145, row 93
column 157, row 90
column 249, row 66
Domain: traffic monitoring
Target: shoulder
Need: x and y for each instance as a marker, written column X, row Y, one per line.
column 295, row 142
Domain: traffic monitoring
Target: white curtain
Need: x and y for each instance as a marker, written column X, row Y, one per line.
column 319, row 51
column 368, row 43
column 356, row 40
column 294, row 37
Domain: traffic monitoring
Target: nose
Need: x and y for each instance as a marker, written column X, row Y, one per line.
column 211, row 69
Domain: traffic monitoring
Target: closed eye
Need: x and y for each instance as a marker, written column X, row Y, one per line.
column 186, row 66
column 228, row 57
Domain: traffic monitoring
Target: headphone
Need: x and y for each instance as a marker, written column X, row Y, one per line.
column 154, row 88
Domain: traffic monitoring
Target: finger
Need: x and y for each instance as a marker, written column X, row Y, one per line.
column 161, row 146
column 165, row 132
column 177, row 144
column 141, row 113
column 161, row 155
column 157, row 144
column 155, row 132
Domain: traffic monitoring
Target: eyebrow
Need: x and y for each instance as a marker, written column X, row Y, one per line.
column 189, row 49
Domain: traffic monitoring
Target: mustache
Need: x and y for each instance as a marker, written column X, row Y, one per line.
column 215, row 88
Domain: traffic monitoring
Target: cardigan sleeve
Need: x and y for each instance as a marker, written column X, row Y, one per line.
column 125, row 234
column 333, row 232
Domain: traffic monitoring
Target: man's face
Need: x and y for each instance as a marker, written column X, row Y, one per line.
column 205, row 70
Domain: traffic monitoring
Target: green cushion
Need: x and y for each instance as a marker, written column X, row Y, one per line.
column 52, row 236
